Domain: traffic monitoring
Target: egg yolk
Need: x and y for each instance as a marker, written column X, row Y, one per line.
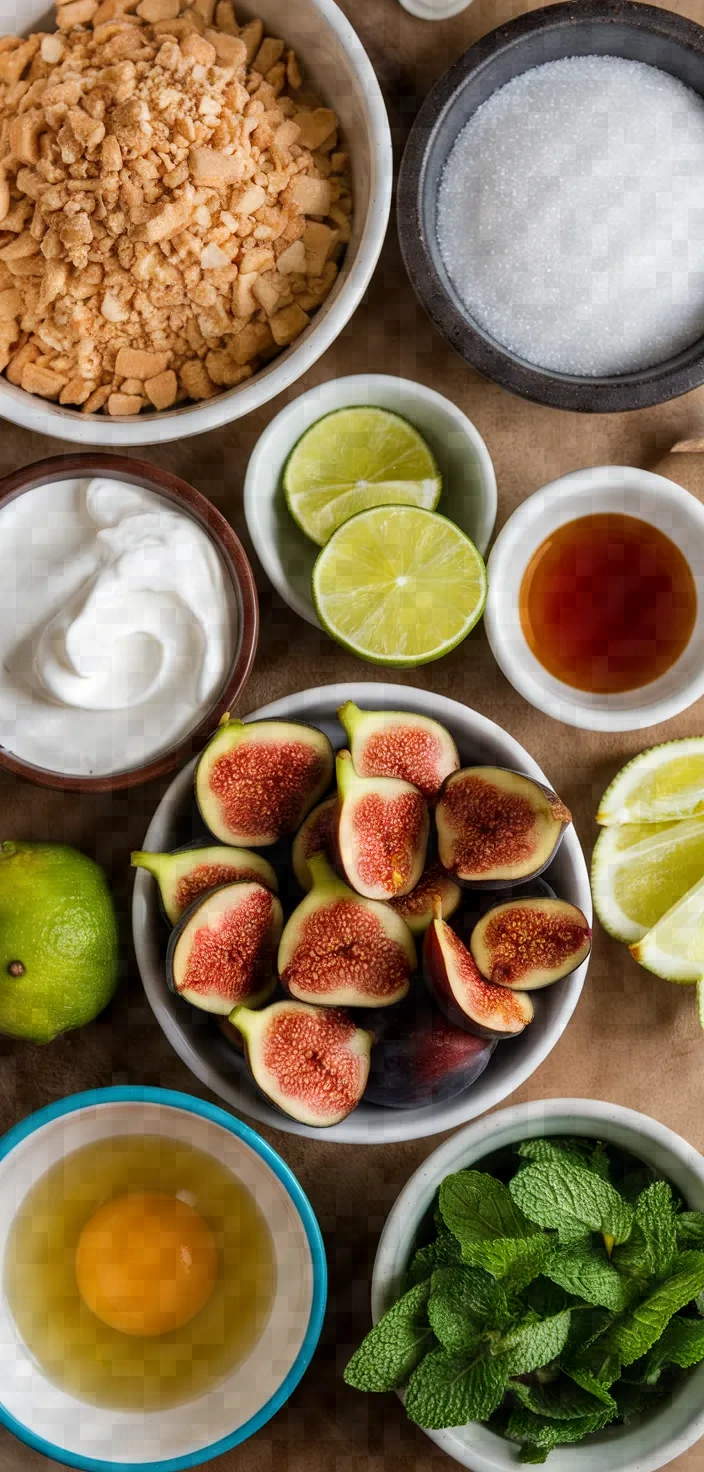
column 146, row 1263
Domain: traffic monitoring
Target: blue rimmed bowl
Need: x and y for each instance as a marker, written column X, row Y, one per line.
column 58, row 1425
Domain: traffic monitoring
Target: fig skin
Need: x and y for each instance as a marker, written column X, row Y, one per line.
column 259, row 926
column 255, row 783
column 314, row 836
column 311, row 1063
column 419, row 1058
column 461, row 992
column 434, row 887
column 198, row 869
column 497, row 828
column 392, row 743
column 380, row 830
column 341, row 950
column 526, row 944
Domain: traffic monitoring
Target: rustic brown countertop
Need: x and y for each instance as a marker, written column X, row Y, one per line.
column 634, row 1040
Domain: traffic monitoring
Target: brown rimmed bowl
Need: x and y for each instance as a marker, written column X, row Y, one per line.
column 623, row 28
column 192, row 503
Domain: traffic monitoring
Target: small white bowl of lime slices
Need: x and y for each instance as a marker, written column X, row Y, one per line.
column 419, row 430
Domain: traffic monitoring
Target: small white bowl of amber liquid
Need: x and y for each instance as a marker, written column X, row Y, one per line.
column 164, row 1281
column 595, row 611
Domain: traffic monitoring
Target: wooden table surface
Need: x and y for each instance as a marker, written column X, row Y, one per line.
column 634, row 1039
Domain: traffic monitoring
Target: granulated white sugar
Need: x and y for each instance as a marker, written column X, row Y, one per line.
column 571, row 215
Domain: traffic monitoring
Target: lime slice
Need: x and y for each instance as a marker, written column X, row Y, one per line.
column 659, row 786
column 355, row 459
column 674, row 948
column 640, row 870
column 399, row 586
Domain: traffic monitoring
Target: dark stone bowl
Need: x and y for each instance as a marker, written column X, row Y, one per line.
column 581, row 27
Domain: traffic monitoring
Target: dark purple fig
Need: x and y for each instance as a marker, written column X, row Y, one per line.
column 223, row 952
column 392, row 743
column 186, row 874
column 341, row 950
column 419, row 1058
column 462, row 993
column 380, row 832
column 496, row 827
column 529, row 943
column 313, row 837
column 434, row 890
column 254, row 783
column 311, row 1063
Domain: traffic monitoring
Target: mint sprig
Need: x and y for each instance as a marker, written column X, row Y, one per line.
column 571, row 1200
column 585, row 1270
column 451, row 1389
column 395, row 1345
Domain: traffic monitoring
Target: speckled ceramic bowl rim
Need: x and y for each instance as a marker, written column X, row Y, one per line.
column 655, row 385
column 171, row 1098
column 192, row 503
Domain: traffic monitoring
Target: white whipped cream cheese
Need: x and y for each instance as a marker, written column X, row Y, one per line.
column 117, row 626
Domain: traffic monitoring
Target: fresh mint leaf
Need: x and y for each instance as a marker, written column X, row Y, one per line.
column 541, row 1431
column 689, row 1226
column 571, row 1200
column 681, row 1343
column 584, row 1270
column 545, row 1297
column 656, row 1213
column 533, row 1343
column 465, row 1304
column 589, row 1383
column 449, row 1389
column 515, row 1260
column 583, row 1153
column 478, row 1208
column 442, row 1252
column 632, row 1400
column 393, row 1348
column 561, row 1400
column 637, row 1331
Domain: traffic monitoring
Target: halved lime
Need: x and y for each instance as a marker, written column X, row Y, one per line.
column 352, row 460
column 640, row 870
column 399, row 586
column 674, row 948
column 660, row 785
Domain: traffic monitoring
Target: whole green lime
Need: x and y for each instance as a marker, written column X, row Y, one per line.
column 58, row 940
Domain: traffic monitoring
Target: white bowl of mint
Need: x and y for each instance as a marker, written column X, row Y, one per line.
column 538, row 1292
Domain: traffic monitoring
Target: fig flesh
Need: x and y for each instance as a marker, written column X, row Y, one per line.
column 380, row 830
column 420, row 1058
column 313, row 837
column 529, row 943
column 496, row 827
column 223, row 951
column 434, row 888
column 186, row 874
column 392, row 743
column 311, row 1063
column 341, row 950
column 254, row 783
column 461, row 992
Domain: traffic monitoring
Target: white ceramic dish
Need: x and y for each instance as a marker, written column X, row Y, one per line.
column 214, row 1061
column 97, row 1440
column 643, row 1445
column 469, row 483
column 337, row 65
column 613, row 488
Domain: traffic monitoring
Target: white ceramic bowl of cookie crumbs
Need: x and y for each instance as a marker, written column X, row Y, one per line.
column 315, row 69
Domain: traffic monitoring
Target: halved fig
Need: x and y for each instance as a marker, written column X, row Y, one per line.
column 434, row 888
column 461, row 992
column 185, row 874
column 529, row 943
column 313, row 837
column 223, row 952
column 496, row 827
column 256, row 782
column 341, row 950
column 380, row 831
column 420, row 1058
column 394, row 743
column 312, row 1063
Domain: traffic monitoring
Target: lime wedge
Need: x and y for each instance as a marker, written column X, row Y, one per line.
column 661, row 785
column 639, row 870
column 355, row 459
column 674, row 948
column 399, row 586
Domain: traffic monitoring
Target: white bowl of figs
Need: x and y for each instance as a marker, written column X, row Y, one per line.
column 362, row 913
